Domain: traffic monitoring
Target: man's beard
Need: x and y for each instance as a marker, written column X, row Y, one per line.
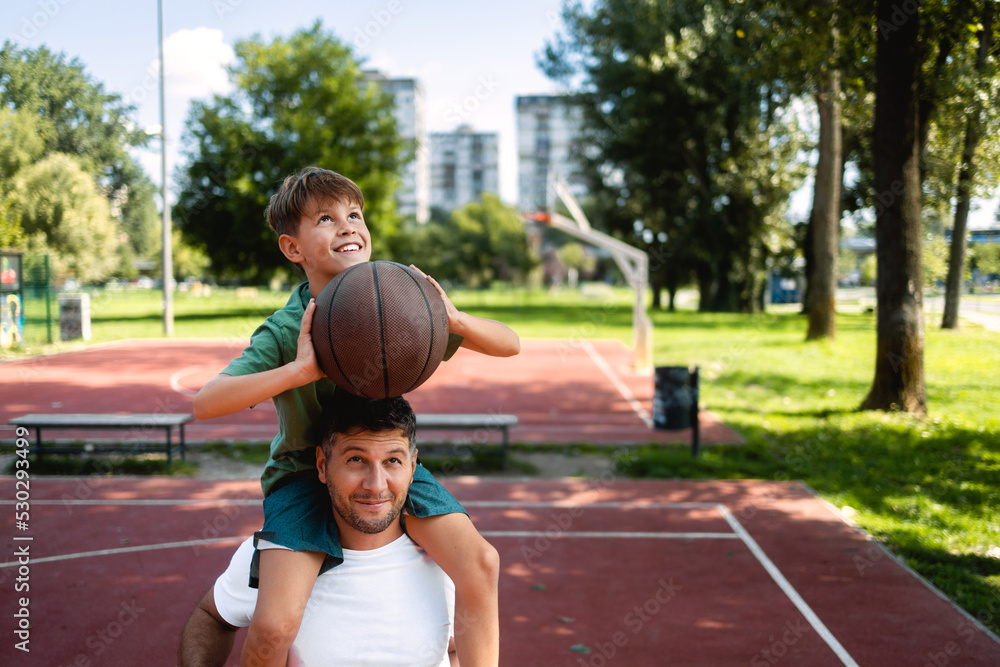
column 347, row 511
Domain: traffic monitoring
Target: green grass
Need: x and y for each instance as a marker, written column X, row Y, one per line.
column 104, row 465
column 927, row 489
column 137, row 313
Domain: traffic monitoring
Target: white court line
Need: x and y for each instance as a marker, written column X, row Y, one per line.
column 470, row 503
column 175, row 380
column 610, row 534
column 628, row 504
column 125, row 550
column 739, row 532
column 787, row 588
column 626, row 393
column 139, row 502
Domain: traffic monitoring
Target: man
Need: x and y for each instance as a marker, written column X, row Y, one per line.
column 386, row 604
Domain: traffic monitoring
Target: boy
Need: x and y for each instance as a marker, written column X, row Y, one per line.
column 317, row 215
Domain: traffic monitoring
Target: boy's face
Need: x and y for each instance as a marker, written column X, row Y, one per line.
column 332, row 237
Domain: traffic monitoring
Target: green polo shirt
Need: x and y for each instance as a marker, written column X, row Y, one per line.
column 273, row 344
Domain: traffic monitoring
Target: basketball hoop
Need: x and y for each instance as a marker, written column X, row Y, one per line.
column 539, row 216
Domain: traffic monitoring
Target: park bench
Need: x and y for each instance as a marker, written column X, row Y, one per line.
column 139, row 423
column 472, row 422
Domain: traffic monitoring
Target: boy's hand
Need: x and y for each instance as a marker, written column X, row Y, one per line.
column 454, row 314
column 305, row 355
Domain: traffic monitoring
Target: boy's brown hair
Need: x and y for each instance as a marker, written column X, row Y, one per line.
column 287, row 205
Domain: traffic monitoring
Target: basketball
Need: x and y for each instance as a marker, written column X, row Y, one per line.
column 380, row 329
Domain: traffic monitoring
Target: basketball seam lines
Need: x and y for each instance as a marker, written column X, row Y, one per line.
column 381, row 332
column 430, row 316
column 329, row 341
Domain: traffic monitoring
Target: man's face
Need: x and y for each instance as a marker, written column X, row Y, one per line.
column 368, row 474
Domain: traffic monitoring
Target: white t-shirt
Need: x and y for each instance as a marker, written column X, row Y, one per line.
column 380, row 608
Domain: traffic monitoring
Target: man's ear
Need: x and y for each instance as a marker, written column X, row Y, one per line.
column 413, row 463
column 321, row 464
column 290, row 248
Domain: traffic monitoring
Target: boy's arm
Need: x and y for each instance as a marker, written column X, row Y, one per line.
column 226, row 394
column 480, row 335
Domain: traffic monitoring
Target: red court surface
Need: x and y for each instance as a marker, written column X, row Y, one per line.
column 608, row 571
column 562, row 391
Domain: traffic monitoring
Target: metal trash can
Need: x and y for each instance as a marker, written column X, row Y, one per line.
column 675, row 401
column 74, row 316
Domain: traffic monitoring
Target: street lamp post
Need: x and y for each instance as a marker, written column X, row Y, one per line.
column 168, row 261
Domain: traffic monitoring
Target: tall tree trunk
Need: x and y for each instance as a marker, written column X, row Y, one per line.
column 826, row 211
column 966, row 182
column 810, row 265
column 899, row 361
column 706, row 280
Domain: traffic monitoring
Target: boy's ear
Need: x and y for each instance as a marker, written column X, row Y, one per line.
column 290, row 248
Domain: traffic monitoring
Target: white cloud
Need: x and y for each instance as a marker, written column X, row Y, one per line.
column 196, row 61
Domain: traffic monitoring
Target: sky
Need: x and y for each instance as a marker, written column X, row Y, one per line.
column 473, row 58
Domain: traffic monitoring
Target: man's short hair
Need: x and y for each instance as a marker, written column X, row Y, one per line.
column 287, row 205
column 349, row 414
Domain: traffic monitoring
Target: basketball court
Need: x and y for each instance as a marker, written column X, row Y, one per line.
column 595, row 572
column 599, row 572
column 562, row 391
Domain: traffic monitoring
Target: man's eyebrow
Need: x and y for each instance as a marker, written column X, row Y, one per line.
column 356, row 448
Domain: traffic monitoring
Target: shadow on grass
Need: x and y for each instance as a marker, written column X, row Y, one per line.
column 964, row 577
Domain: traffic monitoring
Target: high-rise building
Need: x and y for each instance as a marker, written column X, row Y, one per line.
column 413, row 196
column 548, row 131
column 464, row 165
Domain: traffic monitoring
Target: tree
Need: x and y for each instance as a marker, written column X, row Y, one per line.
column 899, row 362
column 573, row 256
column 299, row 101
column 20, row 146
column 825, row 218
column 52, row 106
column 974, row 122
column 473, row 246
column 985, row 258
column 64, row 214
column 681, row 137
